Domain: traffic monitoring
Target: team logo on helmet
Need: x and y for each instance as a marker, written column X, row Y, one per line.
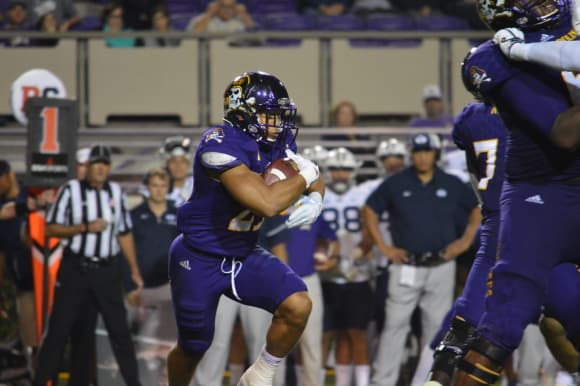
column 478, row 76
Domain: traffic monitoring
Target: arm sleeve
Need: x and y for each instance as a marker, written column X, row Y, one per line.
column 379, row 200
column 58, row 213
column 561, row 56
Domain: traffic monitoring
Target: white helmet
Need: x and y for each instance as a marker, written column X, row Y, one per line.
column 391, row 147
column 342, row 158
column 317, row 154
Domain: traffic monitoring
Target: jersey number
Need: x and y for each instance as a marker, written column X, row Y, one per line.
column 489, row 148
column 49, row 142
column 351, row 217
column 245, row 221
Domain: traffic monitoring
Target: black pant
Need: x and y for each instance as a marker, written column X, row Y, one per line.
column 74, row 288
column 83, row 357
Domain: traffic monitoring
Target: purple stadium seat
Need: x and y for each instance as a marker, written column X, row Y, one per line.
column 441, row 23
column 287, row 22
column 176, row 8
column 341, row 23
column 89, row 23
column 273, row 6
column 388, row 23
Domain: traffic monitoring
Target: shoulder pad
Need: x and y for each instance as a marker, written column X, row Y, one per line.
column 485, row 69
column 216, row 159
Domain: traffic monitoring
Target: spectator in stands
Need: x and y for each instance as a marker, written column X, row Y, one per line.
column 434, row 106
column 324, row 7
column 366, row 7
column 160, row 24
column 138, row 14
column 112, row 20
column 64, row 11
column 47, row 24
column 16, row 20
column 421, row 8
column 345, row 115
column 223, row 16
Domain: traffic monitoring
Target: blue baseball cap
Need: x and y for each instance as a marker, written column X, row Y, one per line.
column 425, row 142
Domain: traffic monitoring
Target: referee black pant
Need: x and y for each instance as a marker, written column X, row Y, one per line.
column 75, row 286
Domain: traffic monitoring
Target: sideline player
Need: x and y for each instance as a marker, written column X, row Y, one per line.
column 217, row 253
column 480, row 132
column 347, row 291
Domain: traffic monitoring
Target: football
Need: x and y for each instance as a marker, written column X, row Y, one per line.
column 279, row 170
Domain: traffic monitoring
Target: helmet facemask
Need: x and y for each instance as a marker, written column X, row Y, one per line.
column 273, row 122
column 528, row 15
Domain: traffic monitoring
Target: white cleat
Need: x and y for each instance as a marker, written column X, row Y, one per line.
column 431, row 383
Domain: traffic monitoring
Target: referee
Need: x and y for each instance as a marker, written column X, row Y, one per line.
column 91, row 218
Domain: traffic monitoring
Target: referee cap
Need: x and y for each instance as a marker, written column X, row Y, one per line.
column 100, row 153
column 83, row 155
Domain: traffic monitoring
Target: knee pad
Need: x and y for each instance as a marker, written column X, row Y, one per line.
column 487, row 368
column 452, row 347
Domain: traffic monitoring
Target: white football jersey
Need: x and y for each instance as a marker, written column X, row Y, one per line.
column 342, row 212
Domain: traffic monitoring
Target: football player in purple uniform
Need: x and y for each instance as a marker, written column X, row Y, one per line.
column 216, row 253
column 480, row 132
column 540, row 203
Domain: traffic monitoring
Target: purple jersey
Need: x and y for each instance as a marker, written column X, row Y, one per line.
column 212, row 221
column 529, row 98
column 302, row 245
column 479, row 130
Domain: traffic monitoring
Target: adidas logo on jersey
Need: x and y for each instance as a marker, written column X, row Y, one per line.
column 537, row 199
column 185, row 264
column 546, row 37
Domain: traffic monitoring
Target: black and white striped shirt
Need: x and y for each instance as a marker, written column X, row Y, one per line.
column 77, row 203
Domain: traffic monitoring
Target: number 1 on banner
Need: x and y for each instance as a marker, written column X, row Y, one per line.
column 49, row 142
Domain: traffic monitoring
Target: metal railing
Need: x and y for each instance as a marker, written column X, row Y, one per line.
column 204, row 61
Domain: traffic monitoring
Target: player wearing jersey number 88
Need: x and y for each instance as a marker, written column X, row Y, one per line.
column 217, row 253
column 347, row 291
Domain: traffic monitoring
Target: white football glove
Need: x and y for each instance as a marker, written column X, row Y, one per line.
column 507, row 39
column 307, row 210
column 308, row 169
